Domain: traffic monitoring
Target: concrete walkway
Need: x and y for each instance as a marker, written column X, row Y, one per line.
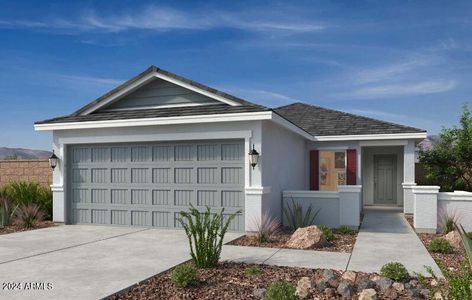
column 286, row 257
column 386, row 236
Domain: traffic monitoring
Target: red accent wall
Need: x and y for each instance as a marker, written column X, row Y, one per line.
column 314, row 170
column 351, row 167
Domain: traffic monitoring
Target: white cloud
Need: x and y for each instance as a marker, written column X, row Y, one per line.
column 87, row 80
column 264, row 97
column 390, row 71
column 156, row 18
column 391, row 90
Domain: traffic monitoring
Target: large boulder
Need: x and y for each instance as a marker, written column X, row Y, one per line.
column 454, row 238
column 368, row 294
column 307, row 238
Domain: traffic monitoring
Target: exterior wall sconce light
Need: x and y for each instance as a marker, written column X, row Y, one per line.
column 53, row 160
column 253, row 157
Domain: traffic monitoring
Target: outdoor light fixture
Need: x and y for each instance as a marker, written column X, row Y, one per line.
column 253, row 157
column 53, row 160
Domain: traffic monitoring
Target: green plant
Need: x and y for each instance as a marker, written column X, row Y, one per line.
column 448, row 220
column 253, row 271
column 328, row 233
column 266, row 227
column 395, row 271
column 205, row 232
column 28, row 215
column 440, row 245
column 345, row 230
column 184, row 275
column 7, row 210
column 458, row 282
column 295, row 216
column 23, row 192
column 280, row 290
column 449, row 162
column 467, row 242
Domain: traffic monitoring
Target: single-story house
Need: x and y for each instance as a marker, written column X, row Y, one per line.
column 144, row 151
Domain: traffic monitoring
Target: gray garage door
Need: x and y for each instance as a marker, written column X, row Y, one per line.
column 149, row 184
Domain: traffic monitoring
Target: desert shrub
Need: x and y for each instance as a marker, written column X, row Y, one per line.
column 205, row 232
column 266, row 227
column 23, row 193
column 252, row 271
column 448, row 220
column 28, row 215
column 184, row 275
column 440, row 245
column 280, row 290
column 395, row 271
column 328, row 233
column 458, row 285
column 345, row 230
column 7, row 210
column 295, row 216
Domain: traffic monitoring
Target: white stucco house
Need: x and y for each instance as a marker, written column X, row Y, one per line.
column 144, row 151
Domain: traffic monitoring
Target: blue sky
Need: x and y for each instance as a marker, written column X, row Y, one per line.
column 408, row 62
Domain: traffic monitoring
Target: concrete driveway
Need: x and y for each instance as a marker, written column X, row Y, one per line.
column 85, row 262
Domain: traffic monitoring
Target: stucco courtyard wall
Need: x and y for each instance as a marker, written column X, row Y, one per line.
column 25, row 170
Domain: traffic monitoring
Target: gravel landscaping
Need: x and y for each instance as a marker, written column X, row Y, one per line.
column 17, row 228
column 245, row 281
column 340, row 243
column 453, row 261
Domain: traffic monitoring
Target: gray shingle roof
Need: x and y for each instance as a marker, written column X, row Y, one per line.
column 159, row 113
column 315, row 120
column 320, row 121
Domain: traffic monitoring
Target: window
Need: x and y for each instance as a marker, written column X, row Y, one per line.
column 332, row 170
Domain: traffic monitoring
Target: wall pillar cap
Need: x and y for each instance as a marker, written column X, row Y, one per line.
column 57, row 188
column 349, row 188
column 426, row 189
column 408, row 184
column 257, row 190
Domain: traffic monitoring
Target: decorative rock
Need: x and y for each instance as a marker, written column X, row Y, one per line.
column 330, row 293
column 322, row 285
column 365, row 284
column 306, row 238
column 391, row 294
column 434, row 283
column 384, row 283
column 368, row 294
column 333, row 283
column 454, row 238
column 345, row 290
column 398, row 286
column 413, row 293
column 304, row 286
column 438, row 296
column 259, row 293
column 349, row 276
column 328, row 275
column 375, row 278
column 425, row 293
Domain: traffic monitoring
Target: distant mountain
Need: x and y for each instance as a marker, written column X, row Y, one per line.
column 20, row 153
column 428, row 142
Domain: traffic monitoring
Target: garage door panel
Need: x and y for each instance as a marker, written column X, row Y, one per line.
column 150, row 184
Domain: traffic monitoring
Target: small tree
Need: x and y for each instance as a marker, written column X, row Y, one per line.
column 449, row 162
